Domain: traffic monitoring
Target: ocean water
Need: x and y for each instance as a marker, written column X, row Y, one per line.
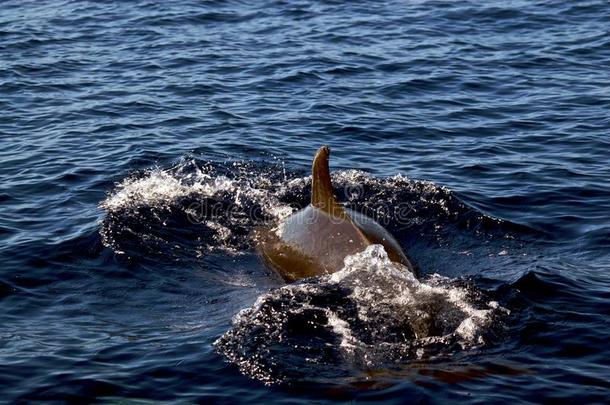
column 142, row 142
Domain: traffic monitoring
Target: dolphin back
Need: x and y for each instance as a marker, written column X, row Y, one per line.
column 315, row 240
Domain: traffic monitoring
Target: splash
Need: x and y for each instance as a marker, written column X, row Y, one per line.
column 151, row 211
column 162, row 188
column 195, row 208
column 371, row 314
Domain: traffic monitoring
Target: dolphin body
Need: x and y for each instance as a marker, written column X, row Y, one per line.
column 315, row 240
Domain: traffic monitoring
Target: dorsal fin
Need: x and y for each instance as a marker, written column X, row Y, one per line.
column 322, row 196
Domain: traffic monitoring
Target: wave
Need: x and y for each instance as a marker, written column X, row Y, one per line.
column 195, row 208
column 373, row 314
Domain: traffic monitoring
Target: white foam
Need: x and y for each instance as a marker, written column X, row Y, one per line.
column 157, row 187
column 342, row 329
column 378, row 282
column 163, row 188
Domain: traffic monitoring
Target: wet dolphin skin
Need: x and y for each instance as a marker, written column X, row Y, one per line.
column 315, row 240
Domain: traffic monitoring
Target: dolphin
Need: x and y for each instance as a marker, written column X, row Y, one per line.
column 315, row 240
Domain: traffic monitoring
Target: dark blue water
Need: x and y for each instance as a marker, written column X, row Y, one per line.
column 142, row 142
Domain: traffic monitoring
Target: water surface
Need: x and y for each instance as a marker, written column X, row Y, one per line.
column 142, row 142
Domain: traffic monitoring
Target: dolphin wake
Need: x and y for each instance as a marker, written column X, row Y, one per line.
column 196, row 208
column 372, row 314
